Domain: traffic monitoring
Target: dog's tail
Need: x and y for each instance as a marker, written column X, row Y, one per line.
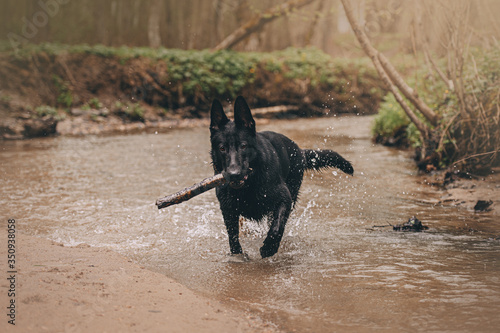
column 319, row 159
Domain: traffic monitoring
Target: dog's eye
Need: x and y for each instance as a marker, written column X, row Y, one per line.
column 221, row 148
column 243, row 145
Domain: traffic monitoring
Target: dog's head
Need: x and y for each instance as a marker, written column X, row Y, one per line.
column 233, row 142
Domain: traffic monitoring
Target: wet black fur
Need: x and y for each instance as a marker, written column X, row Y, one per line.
column 263, row 171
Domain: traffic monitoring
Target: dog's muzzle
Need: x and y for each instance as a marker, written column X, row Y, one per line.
column 238, row 183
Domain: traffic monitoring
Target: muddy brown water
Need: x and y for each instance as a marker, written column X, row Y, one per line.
column 331, row 274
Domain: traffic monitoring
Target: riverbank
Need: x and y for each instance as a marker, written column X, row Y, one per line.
column 95, row 89
column 86, row 289
column 466, row 193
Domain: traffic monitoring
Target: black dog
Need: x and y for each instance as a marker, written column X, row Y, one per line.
column 263, row 173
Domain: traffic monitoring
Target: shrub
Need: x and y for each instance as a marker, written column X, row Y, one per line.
column 469, row 132
column 131, row 111
column 64, row 97
column 45, row 110
column 93, row 103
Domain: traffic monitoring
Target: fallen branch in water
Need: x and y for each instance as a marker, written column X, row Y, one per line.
column 190, row 192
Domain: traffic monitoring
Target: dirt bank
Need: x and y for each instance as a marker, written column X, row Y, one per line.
column 97, row 89
column 467, row 193
column 84, row 289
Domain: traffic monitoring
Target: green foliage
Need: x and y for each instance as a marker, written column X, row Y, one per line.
column 391, row 122
column 93, row 103
column 462, row 133
column 48, row 111
column 65, row 97
column 131, row 111
column 224, row 74
column 390, row 118
column 305, row 63
column 45, row 110
column 312, row 64
column 200, row 73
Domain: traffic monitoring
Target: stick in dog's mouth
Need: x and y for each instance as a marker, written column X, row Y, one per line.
column 198, row 188
column 190, row 192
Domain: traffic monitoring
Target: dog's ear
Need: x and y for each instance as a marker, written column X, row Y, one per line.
column 218, row 118
column 242, row 115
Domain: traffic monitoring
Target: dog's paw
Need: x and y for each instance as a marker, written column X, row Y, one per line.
column 240, row 257
column 269, row 250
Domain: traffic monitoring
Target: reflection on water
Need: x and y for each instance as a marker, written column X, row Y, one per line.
column 332, row 273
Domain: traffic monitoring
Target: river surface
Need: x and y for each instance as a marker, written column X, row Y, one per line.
column 333, row 272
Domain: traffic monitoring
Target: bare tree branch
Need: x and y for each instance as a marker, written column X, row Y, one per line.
column 443, row 77
column 422, row 40
column 258, row 21
column 407, row 91
column 374, row 56
column 457, row 21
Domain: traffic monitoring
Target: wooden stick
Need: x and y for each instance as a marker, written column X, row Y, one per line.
column 190, row 192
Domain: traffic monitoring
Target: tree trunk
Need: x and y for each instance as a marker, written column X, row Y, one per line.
column 217, row 20
column 314, row 23
column 258, row 21
column 154, row 36
column 374, row 56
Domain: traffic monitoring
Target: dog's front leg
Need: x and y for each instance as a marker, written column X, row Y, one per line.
column 273, row 239
column 232, row 223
